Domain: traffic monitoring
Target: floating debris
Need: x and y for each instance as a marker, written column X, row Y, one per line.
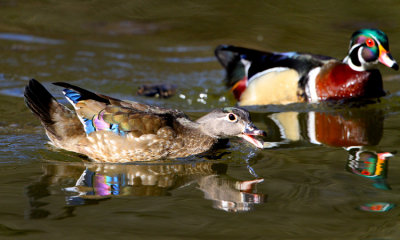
column 161, row 90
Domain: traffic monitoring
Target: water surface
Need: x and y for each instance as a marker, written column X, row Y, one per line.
column 318, row 178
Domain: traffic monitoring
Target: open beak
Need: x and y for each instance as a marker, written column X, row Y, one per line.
column 249, row 134
column 386, row 58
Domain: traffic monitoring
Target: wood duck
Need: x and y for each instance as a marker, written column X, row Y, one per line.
column 259, row 78
column 110, row 130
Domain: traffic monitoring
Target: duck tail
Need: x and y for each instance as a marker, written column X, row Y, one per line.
column 234, row 60
column 231, row 61
column 40, row 102
column 58, row 121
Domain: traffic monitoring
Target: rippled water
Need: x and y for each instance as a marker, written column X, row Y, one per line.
column 318, row 178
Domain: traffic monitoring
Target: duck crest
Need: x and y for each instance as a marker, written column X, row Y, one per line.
column 242, row 113
column 228, row 109
column 359, row 36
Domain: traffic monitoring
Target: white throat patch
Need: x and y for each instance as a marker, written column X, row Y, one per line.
column 364, row 65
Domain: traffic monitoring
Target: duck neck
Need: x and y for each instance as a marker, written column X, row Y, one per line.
column 207, row 126
column 198, row 129
column 355, row 60
column 195, row 139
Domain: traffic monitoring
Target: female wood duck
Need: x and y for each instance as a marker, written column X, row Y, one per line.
column 110, row 130
column 259, row 78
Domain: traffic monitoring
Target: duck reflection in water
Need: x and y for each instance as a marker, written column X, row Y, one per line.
column 356, row 130
column 369, row 164
column 90, row 183
column 346, row 128
column 372, row 165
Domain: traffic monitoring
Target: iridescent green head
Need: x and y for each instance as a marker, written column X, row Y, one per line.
column 367, row 48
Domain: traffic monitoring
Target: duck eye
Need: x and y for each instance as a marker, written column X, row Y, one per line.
column 370, row 42
column 232, row 117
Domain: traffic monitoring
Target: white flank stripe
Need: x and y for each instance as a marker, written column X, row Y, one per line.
column 311, row 89
column 247, row 65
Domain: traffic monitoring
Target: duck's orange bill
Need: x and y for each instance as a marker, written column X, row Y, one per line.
column 386, row 59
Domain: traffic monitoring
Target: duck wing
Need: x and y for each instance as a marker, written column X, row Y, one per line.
column 99, row 112
column 241, row 62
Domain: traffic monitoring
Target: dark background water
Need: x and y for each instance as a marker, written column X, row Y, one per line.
column 311, row 188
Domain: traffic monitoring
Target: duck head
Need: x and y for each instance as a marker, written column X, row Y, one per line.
column 230, row 122
column 367, row 48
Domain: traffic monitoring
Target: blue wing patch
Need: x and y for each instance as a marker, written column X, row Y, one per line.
column 72, row 96
column 88, row 125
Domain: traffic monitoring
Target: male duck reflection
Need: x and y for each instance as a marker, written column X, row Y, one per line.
column 369, row 164
column 259, row 78
column 111, row 130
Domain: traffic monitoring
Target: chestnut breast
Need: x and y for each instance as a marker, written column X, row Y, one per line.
column 337, row 81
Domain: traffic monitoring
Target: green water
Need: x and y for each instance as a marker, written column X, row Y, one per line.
column 305, row 185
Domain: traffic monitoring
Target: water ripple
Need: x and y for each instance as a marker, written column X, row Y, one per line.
column 189, row 59
column 184, row 49
column 102, row 44
column 29, row 38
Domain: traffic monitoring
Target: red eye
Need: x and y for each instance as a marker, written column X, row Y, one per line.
column 370, row 42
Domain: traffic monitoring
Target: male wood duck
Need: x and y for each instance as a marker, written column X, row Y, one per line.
column 259, row 78
column 111, row 130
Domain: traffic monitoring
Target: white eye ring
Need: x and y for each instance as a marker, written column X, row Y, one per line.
column 232, row 117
